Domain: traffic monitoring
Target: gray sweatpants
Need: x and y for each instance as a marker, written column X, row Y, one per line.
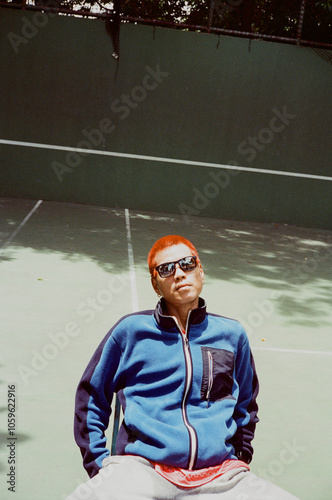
column 134, row 478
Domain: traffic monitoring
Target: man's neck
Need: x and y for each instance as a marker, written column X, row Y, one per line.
column 181, row 313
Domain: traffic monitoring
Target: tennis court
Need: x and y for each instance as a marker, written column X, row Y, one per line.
column 69, row 271
column 116, row 132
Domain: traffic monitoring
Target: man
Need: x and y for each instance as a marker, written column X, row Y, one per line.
column 187, row 384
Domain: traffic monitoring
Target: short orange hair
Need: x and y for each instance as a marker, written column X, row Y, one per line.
column 164, row 242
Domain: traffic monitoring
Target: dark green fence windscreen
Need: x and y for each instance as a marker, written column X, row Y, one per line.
column 182, row 122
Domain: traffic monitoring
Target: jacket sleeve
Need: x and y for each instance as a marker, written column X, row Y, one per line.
column 245, row 413
column 93, row 404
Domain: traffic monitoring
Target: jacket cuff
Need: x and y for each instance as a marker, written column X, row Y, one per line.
column 244, row 456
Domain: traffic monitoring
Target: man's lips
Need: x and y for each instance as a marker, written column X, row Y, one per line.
column 183, row 285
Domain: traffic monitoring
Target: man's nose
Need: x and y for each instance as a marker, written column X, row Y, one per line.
column 179, row 273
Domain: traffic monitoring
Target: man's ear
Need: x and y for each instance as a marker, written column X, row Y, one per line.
column 155, row 285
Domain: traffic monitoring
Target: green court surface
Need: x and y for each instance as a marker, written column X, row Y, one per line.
column 69, row 272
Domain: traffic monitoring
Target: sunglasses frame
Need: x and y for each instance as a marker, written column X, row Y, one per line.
column 177, row 262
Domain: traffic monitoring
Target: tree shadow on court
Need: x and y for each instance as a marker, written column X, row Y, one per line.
column 292, row 262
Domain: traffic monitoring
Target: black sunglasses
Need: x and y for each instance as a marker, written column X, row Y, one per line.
column 168, row 269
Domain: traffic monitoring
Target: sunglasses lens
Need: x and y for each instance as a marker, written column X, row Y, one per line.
column 166, row 270
column 188, row 263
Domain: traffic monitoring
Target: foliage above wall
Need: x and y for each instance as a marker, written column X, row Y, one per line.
column 301, row 20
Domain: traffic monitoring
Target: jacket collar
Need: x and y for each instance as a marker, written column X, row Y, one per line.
column 197, row 315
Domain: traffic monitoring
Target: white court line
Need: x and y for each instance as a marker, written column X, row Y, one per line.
column 10, row 239
column 292, row 351
column 164, row 160
column 132, row 274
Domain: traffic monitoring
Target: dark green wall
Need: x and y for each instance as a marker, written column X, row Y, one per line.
column 211, row 95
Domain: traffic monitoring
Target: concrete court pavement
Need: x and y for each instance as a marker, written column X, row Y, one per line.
column 66, row 277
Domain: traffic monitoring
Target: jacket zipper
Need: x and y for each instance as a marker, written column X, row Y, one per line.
column 210, row 382
column 189, row 377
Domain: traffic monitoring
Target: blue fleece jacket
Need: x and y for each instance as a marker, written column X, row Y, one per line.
column 189, row 400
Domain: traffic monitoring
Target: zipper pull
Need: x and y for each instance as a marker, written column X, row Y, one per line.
column 210, row 379
column 208, row 396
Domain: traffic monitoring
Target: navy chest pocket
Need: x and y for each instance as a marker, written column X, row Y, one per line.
column 218, row 368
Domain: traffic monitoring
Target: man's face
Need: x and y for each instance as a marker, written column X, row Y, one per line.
column 183, row 287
